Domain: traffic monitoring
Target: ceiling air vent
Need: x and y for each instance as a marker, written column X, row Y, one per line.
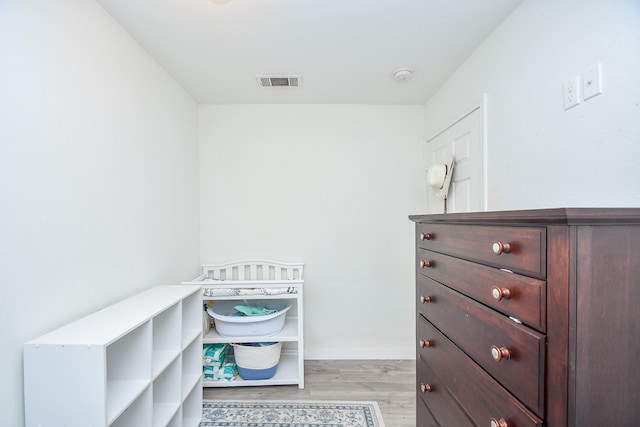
column 280, row 81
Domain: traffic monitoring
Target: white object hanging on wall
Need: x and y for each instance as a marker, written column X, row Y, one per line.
column 439, row 177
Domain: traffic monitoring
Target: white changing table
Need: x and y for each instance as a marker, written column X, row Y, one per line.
column 260, row 280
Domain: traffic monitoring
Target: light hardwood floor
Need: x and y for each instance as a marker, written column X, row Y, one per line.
column 389, row 382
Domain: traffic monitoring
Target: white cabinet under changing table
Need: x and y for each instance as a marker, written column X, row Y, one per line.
column 255, row 280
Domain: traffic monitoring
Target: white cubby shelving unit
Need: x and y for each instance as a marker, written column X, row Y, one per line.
column 135, row 363
column 249, row 276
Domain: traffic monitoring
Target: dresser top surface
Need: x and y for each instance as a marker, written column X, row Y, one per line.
column 569, row 216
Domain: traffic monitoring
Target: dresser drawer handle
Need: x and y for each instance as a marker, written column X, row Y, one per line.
column 425, row 343
column 425, row 263
column 501, row 247
column 499, row 423
column 499, row 353
column 426, row 388
column 426, row 236
column 499, row 293
column 425, row 299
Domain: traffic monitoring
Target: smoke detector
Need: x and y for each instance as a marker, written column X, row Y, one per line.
column 402, row 74
column 288, row 80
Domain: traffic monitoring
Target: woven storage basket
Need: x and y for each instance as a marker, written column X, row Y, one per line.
column 257, row 362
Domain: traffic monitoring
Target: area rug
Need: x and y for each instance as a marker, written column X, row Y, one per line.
column 270, row 413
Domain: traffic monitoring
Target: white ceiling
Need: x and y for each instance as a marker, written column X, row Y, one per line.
column 345, row 50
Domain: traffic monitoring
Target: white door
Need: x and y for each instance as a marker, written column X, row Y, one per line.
column 464, row 141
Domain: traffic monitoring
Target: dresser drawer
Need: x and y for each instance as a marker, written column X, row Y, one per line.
column 485, row 335
column 436, row 396
column 482, row 398
column 520, row 249
column 512, row 294
column 424, row 418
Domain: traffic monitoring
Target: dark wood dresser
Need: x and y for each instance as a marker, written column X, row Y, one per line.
column 528, row 318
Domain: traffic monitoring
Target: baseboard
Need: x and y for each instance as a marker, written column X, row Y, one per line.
column 359, row 354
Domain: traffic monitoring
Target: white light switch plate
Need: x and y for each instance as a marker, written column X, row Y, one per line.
column 592, row 81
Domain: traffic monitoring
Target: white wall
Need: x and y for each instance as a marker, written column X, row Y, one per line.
column 330, row 185
column 538, row 154
column 98, row 174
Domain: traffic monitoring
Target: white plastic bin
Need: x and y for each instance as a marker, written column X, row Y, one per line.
column 229, row 324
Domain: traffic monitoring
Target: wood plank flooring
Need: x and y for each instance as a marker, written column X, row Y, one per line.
column 389, row 382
